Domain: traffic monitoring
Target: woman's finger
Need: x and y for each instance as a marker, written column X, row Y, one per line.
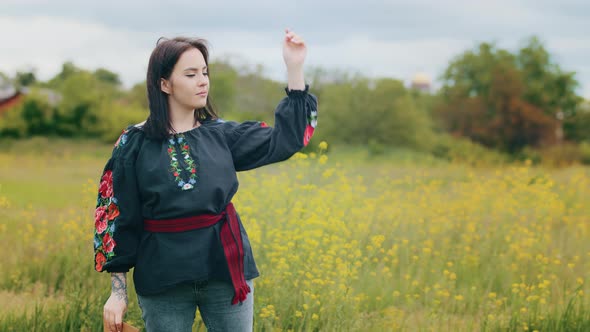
column 297, row 40
column 294, row 39
column 119, row 322
column 110, row 321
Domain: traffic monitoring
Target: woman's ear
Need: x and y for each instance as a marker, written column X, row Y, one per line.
column 165, row 85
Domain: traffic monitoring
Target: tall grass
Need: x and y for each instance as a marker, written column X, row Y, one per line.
column 342, row 245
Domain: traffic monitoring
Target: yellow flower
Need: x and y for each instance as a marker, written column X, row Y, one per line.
column 323, row 145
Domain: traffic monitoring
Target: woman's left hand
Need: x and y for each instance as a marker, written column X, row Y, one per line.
column 294, row 49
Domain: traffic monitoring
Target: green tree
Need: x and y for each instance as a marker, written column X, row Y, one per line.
column 137, row 95
column 80, row 109
column 470, row 74
column 223, row 79
column 38, row 114
column 256, row 96
column 577, row 127
column 107, row 76
column 504, row 100
column 380, row 113
column 547, row 85
column 12, row 123
column 67, row 69
column 25, row 78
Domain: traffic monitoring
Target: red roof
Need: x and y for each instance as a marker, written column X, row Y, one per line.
column 9, row 102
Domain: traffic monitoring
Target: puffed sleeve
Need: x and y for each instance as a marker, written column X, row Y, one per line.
column 254, row 144
column 117, row 218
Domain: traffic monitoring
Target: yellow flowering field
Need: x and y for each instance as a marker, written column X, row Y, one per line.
column 341, row 244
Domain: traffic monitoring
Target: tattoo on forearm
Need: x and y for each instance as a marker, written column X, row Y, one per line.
column 119, row 285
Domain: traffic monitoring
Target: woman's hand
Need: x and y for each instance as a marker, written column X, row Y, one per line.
column 114, row 310
column 116, row 305
column 294, row 50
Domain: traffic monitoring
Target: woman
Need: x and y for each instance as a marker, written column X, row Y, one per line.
column 164, row 202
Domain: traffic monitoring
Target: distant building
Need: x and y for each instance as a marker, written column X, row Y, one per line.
column 421, row 82
column 9, row 96
column 9, row 102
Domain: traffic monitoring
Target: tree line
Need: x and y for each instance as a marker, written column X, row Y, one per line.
column 491, row 100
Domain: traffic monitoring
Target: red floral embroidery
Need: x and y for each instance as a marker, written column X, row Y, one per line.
column 108, row 243
column 105, row 216
column 113, row 211
column 106, row 185
column 100, row 260
column 307, row 134
column 263, row 124
column 100, row 219
column 312, row 120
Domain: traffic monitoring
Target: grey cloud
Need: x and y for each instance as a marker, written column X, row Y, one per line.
column 329, row 24
column 328, row 20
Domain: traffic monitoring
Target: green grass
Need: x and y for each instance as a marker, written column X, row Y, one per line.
column 333, row 215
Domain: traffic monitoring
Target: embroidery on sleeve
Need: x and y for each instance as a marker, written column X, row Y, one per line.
column 105, row 214
column 122, row 138
column 263, row 124
column 312, row 120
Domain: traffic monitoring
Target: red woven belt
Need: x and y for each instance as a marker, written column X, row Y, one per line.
column 231, row 239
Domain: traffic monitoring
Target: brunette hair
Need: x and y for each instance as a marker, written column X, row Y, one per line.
column 162, row 62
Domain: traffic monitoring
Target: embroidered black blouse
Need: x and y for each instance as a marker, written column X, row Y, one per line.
column 191, row 173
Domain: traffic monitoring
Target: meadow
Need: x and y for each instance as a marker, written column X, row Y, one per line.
column 344, row 242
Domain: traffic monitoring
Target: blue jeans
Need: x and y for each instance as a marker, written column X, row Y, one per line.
column 174, row 310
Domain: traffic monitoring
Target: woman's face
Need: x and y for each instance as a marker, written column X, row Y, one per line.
column 188, row 85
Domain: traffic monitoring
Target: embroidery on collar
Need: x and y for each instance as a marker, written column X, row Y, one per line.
column 175, row 167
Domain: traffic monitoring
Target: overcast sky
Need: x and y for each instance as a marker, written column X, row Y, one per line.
column 387, row 38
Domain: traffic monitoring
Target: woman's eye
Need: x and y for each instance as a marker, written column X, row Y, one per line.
column 190, row 75
column 206, row 74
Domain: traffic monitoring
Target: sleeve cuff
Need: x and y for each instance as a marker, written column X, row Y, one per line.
column 297, row 93
column 117, row 269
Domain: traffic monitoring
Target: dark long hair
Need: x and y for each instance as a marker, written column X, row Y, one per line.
column 161, row 64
